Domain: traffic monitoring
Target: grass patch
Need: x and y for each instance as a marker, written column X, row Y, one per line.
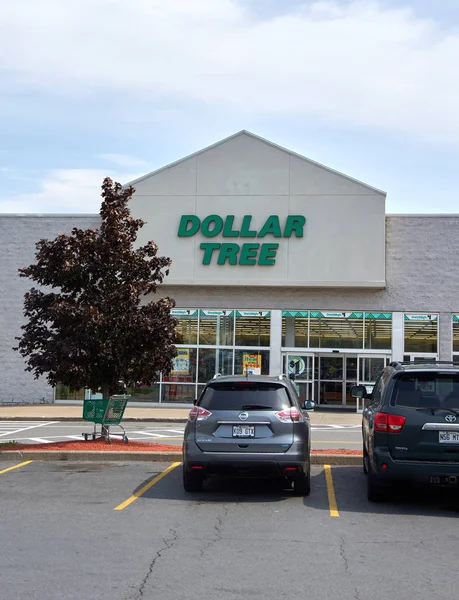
column 8, row 445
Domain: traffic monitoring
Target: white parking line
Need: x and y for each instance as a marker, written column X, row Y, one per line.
column 175, row 430
column 151, row 434
column 39, row 440
column 19, row 430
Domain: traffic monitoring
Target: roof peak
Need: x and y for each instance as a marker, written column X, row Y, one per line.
column 245, row 132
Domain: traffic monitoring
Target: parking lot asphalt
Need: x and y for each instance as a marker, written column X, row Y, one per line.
column 324, row 435
column 128, row 531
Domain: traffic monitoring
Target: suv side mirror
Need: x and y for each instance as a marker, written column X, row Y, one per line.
column 309, row 405
column 359, row 391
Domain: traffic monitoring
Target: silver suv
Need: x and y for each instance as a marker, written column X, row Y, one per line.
column 246, row 427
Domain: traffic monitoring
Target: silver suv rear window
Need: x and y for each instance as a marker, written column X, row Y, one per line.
column 245, row 396
column 426, row 390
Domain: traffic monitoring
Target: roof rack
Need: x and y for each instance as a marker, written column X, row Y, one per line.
column 398, row 364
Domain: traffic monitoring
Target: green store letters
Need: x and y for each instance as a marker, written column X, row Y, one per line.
column 240, row 254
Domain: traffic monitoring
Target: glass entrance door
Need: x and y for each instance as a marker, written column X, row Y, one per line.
column 335, row 375
column 420, row 357
column 330, row 373
column 303, row 367
column 368, row 369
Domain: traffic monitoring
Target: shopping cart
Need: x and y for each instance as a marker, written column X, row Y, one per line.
column 105, row 412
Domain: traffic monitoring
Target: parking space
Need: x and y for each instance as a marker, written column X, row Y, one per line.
column 128, row 530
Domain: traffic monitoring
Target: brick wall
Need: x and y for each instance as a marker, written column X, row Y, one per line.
column 18, row 235
column 421, row 273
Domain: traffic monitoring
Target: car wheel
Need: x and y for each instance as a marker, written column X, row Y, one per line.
column 192, row 482
column 365, row 460
column 302, row 484
column 375, row 491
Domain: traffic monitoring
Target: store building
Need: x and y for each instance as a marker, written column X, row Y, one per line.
column 278, row 264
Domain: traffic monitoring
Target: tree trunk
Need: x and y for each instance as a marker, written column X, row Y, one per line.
column 106, row 391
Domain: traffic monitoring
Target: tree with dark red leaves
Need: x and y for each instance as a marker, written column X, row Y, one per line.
column 92, row 324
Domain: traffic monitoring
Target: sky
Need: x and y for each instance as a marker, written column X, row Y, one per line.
column 95, row 88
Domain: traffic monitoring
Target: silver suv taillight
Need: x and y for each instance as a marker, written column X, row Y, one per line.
column 198, row 414
column 290, row 414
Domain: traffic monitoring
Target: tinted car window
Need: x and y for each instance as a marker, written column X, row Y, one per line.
column 377, row 392
column 242, row 396
column 426, row 390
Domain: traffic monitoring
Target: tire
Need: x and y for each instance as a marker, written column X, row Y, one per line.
column 365, row 460
column 302, row 484
column 375, row 491
column 192, row 482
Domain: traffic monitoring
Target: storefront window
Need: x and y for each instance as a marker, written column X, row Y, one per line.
column 253, row 328
column 144, row 394
column 64, row 393
column 186, row 331
column 316, row 329
column 183, row 367
column 256, row 362
column 295, row 329
column 421, row 333
column 212, row 361
column 378, row 331
column 456, row 333
column 336, row 330
column 184, row 394
column 216, row 328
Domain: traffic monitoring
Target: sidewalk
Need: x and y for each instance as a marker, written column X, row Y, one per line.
column 153, row 414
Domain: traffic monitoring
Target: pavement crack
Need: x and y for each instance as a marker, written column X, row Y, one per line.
column 342, row 552
column 217, row 529
column 168, row 543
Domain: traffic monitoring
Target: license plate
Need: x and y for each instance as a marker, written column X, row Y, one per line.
column 444, row 480
column 448, row 437
column 243, row 431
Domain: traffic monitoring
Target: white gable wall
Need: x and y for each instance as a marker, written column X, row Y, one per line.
column 344, row 235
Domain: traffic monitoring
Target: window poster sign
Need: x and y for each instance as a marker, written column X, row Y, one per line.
column 251, row 364
column 181, row 363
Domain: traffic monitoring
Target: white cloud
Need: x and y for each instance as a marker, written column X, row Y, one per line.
column 64, row 191
column 357, row 63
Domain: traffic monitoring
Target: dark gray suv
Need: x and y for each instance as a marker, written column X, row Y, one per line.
column 410, row 427
column 246, row 427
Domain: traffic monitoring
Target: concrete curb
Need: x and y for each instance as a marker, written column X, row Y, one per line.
column 100, row 456
column 82, row 455
column 80, row 419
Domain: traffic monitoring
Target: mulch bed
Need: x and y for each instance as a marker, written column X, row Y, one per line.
column 100, row 445
column 339, row 451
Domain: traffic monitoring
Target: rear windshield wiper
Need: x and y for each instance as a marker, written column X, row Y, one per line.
column 256, row 407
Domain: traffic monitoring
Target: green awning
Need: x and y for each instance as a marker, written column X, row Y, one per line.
column 216, row 313
column 184, row 312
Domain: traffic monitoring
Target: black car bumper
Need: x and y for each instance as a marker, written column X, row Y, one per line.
column 434, row 473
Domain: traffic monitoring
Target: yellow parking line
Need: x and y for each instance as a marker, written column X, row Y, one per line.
column 146, row 487
column 23, row 464
column 331, row 492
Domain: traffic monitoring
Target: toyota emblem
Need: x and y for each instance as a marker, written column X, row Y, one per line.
column 450, row 418
column 244, row 416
